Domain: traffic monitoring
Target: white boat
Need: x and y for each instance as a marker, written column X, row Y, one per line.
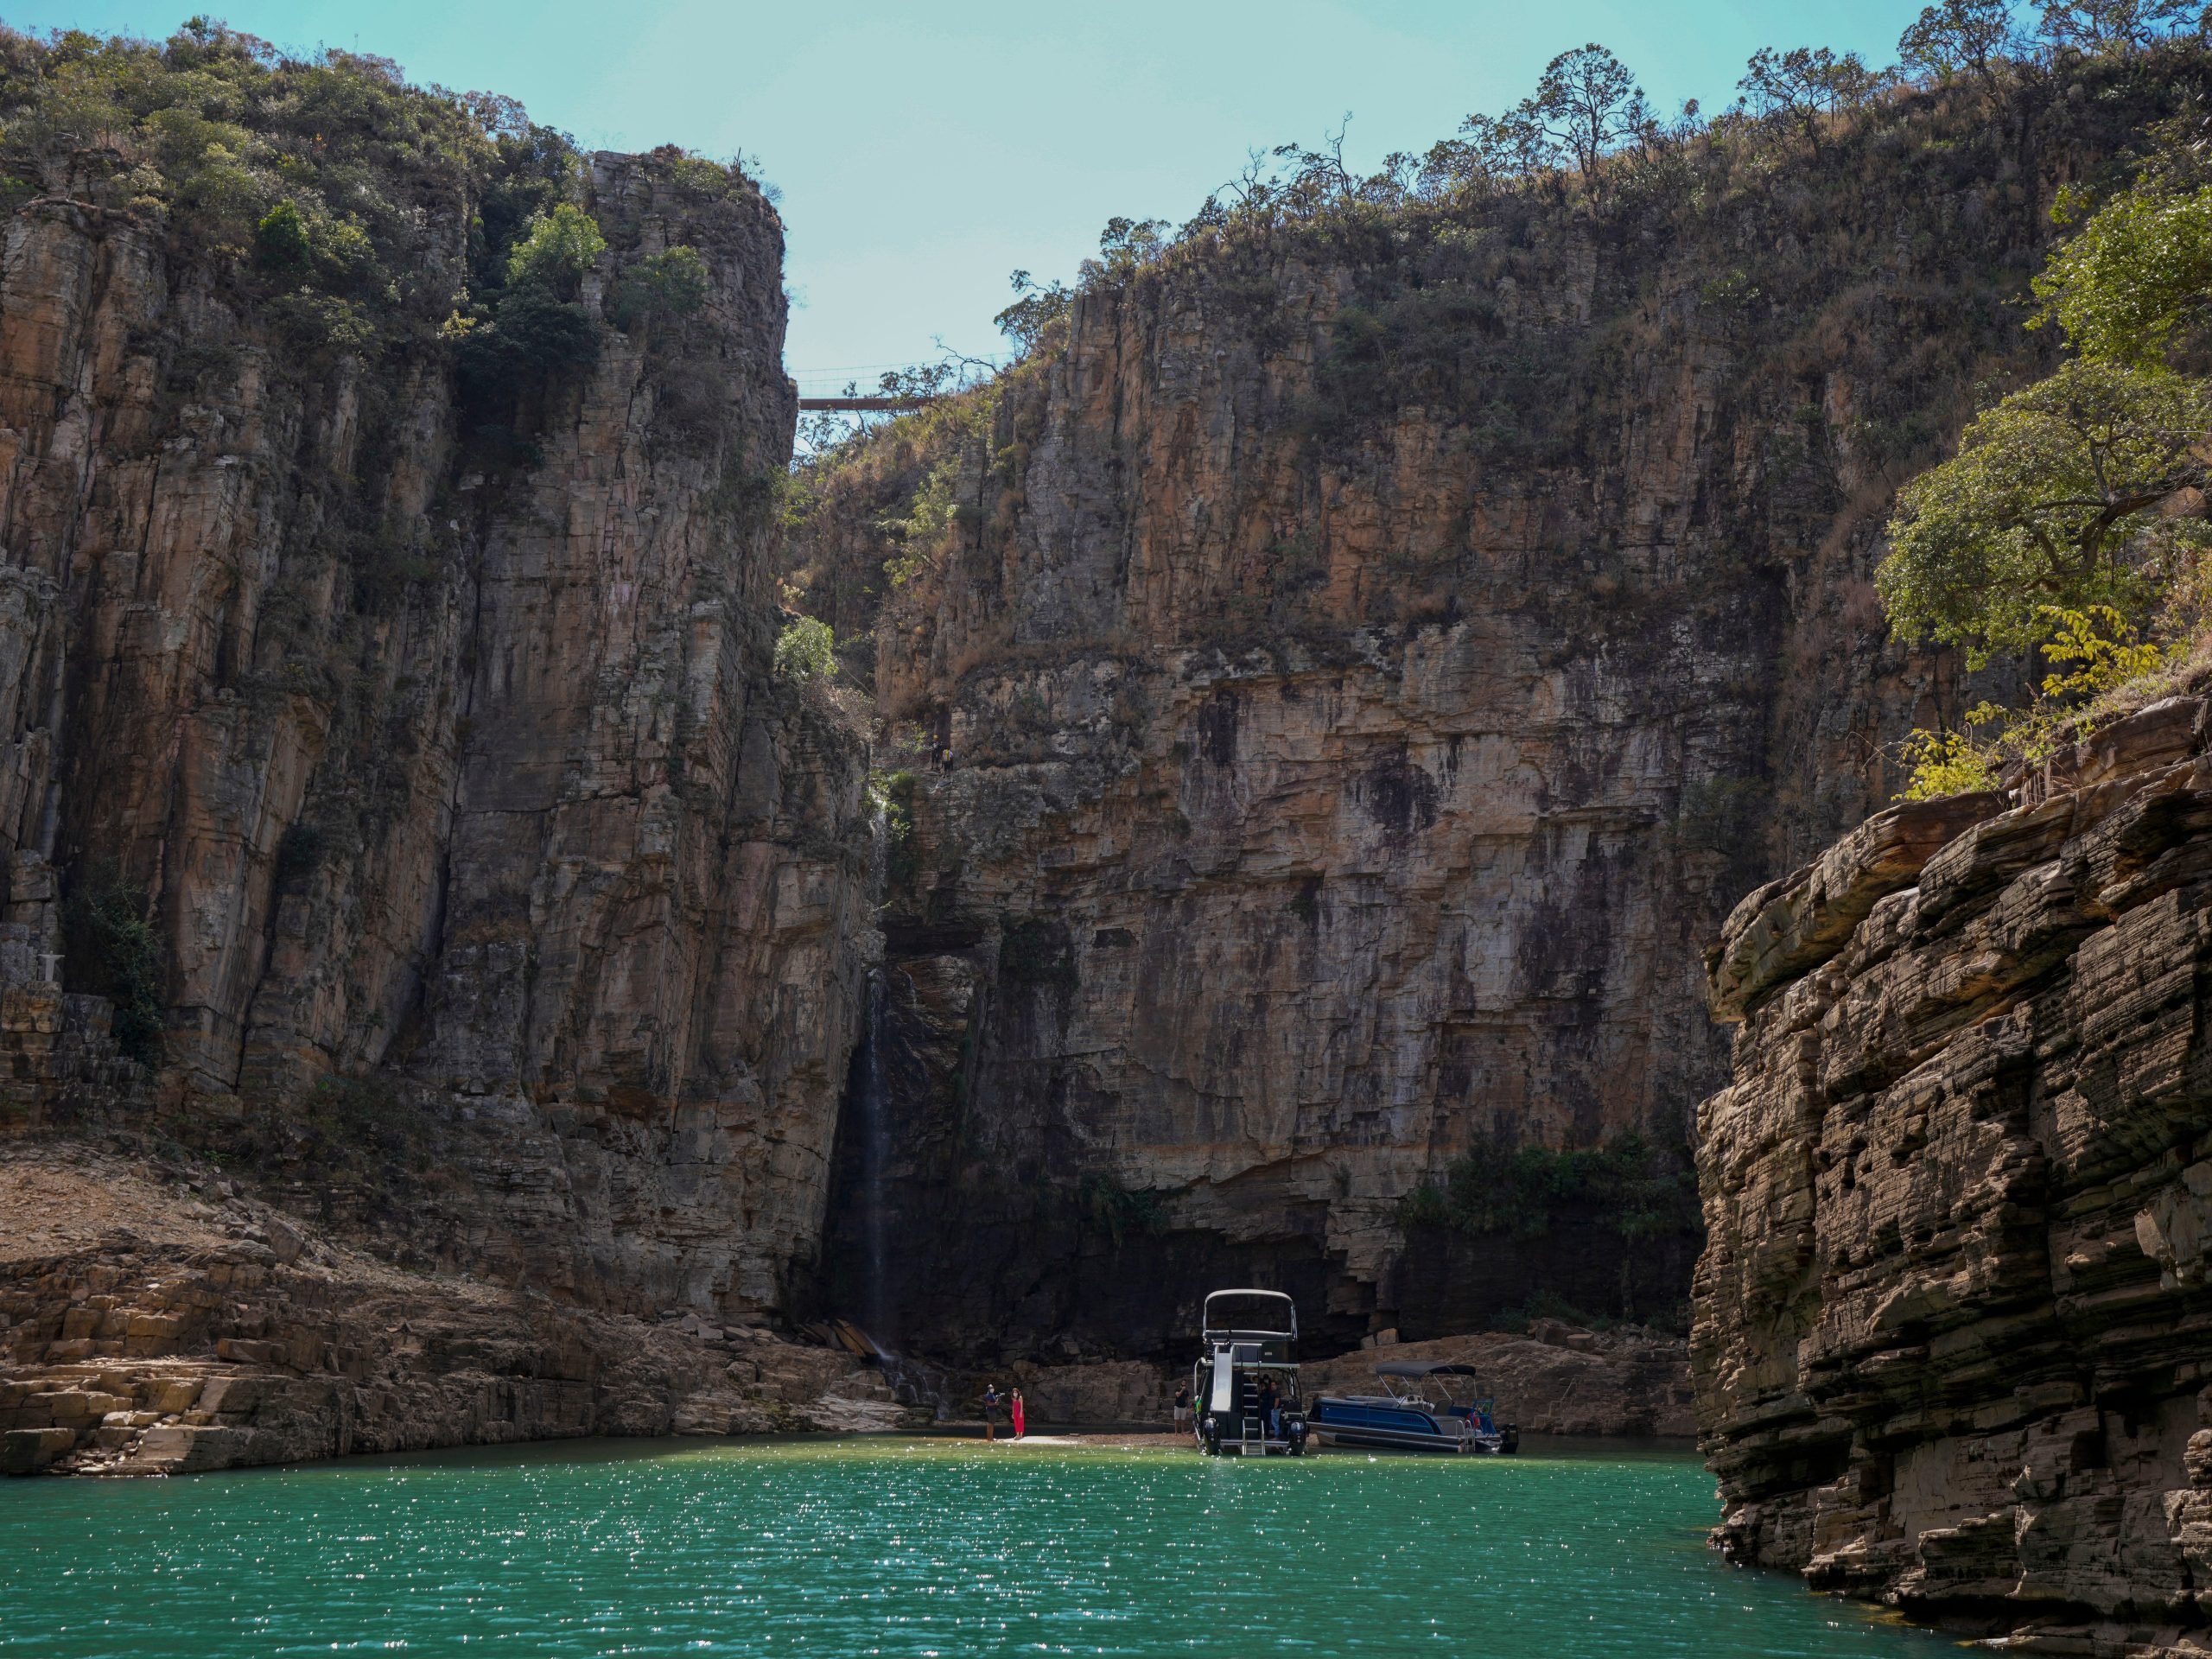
column 1248, row 1337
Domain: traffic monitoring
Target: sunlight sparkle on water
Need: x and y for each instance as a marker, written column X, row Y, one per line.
column 906, row 1547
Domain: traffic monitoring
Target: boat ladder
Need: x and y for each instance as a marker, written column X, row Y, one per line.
column 1255, row 1437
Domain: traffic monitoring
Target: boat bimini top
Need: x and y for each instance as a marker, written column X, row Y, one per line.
column 1273, row 1305
column 1459, row 1385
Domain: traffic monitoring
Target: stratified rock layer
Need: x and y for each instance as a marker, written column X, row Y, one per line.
column 1953, row 1331
column 171, row 1326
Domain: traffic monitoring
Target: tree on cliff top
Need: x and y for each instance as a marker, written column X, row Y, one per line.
column 1800, row 86
column 1587, row 102
column 2073, row 518
column 1959, row 37
column 2107, row 26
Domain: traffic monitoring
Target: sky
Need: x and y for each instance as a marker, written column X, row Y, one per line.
column 925, row 152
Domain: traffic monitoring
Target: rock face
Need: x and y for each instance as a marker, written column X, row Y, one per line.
column 1359, row 667
column 446, row 759
column 151, row 1329
column 1952, row 1341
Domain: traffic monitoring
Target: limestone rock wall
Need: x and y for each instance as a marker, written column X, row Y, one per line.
column 441, row 751
column 1953, row 1339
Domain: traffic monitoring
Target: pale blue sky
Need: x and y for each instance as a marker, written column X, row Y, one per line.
column 926, row 151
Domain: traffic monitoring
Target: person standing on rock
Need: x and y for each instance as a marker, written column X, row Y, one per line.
column 1020, row 1422
column 1183, row 1408
column 990, row 1411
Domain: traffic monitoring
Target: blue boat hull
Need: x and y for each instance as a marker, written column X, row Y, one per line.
column 1382, row 1427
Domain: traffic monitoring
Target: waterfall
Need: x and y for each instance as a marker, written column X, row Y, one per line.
column 875, row 1156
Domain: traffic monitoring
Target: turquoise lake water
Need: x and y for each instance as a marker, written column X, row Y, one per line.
column 903, row 1547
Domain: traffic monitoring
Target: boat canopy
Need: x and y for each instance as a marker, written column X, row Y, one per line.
column 1416, row 1368
column 1279, row 1309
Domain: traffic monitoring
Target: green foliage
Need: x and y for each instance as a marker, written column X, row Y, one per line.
column 2137, row 272
column 348, row 1121
column 892, row 795
column 367, row 1134
column 2107, row 27
column 541, row 332
column 531, row 329
column 1635, row 1191
column 110, row 949
column 1035, row 310
column 920, row 535
column 1125, row 247
column 2094, row 652
column 556, row 249
column 2055, row 496
column 308, row 173
column 706, row 177
column 2104, row 650
column 537, row 169
column 1800, row 86
column 1959, row 37
column 2072, row 515
column 1945, row 763
column 661, row 289
column 1586, row 102
column 806, row 648
column 281, row 241
column 1550, row 1304
column 321, row 325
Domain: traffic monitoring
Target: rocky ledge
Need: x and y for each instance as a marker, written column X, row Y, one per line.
column 1557, row 1379
column 1953, row 1334
column 158, row 1320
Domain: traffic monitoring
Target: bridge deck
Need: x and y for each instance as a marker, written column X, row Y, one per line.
column 863, row 405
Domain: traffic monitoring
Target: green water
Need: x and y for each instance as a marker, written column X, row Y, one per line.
column 901, row 1546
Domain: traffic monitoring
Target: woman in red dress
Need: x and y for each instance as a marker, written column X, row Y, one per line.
column 1021, row 1423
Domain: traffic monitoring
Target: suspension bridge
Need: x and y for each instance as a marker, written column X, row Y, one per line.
column 838, row 389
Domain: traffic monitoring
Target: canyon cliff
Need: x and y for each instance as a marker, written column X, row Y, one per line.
column 1329, row 691
column 393, row 756
column 1950, row 1337
column 1347, row 671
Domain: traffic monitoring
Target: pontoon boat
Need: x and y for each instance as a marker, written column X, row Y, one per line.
column 1425, row 1407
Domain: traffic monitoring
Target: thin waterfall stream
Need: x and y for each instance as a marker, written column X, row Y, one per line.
column 910, row 1382
column 875, row 1153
